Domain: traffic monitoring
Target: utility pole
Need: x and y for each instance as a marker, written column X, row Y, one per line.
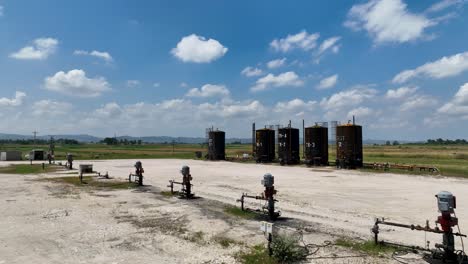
column 35, row 134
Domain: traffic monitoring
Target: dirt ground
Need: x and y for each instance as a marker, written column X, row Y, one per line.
column 46, row 222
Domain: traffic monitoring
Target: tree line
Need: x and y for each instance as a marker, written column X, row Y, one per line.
column 441, row 141
column 115, row 141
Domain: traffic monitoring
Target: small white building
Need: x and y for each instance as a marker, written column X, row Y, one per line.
column 10, row 155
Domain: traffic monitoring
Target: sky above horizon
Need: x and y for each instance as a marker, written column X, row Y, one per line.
column 173, row 68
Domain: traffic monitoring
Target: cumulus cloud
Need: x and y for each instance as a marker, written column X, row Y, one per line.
column 284, row 79
column 458, row 105
column 98, row 54
column 328, row 82
column 251, row 72
column 75, row 83
column 301, row 40
column 276, row 63
column 209, row 90
column 348, row 98
column 16, row 101
column 388, row 21
column 442, row 68
column 401, row 92
column 418, row 102
column 198, row 49
column 296, row 106
column 108, row 111
column 41, row 49
column 50, row 108
column 360, row 112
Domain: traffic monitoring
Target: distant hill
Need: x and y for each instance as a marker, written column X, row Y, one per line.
column 80, row 138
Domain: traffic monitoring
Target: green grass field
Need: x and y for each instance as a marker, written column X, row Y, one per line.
column 451, row 160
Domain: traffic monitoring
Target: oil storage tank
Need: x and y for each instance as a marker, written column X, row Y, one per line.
column 349, row 146
column 216, row 145
column 265, row 145
column 288, row 145
column 316, row 145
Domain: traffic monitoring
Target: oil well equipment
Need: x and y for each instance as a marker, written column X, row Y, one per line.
column 444, row 252
column 186, row 191
column 349, row 146
column 69, row 164
column 138, row 175
column 264, row 145
column 216, row 144
column 268, row 195
column 288, row 145
column 316, row 145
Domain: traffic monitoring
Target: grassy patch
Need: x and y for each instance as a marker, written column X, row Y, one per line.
column 168, row 194
column 162, row 223
column 28, row 169
column 368, row 247
column 93, row 182
column 197, row 237
column 256, row 255
column 225, row 242
column 236, row 211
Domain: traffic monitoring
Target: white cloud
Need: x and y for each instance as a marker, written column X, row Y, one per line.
column 1, row 10
column 328, row 82
column 418, row 102
column 301, row 40
column 239, row 109
column 401, row 92
column 132, row 83
column 360, row 112
column 295, row 106
column 41, row 49
column 442, row 68
column 183, row 84
column 16, row 101
column 198, row 49
column 75, row 83
column 209, row 90
column 50, row 108
column 347, row 98
column 98, row 54
column 388, row 21
column 284, row 79
column 444, row 4
column 458, row 106
column 108, row 111
column 330, row 43
column 156, row 85
column 251, row 72
column 276, row 63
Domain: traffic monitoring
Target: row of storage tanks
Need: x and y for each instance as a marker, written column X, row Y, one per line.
column 348, row 145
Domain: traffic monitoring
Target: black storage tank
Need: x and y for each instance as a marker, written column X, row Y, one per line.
column 316, row 145
column 288, row 145
column 265, row 145
column 349, row 146
column 216, row 145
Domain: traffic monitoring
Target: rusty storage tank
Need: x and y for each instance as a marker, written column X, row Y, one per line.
column 265, row 145
column 216, row 145
column 349, row 146
column 316, row 145
column 288, row 145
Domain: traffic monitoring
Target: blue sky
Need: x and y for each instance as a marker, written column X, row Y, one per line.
column 175, row 67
